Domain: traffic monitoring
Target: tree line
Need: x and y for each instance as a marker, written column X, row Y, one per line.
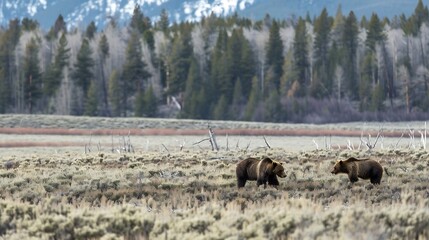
column 304, row 69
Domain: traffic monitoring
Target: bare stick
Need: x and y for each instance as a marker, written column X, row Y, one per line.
column 349, row 144
column 403, row 132
column 182, row 145
column 227, row 145
column 248, row 145
column 113, row 148
column 268, row 145
column 315, row 143
column 213, row 139
column 166, row 148
column 378, row 136
column 205, row 139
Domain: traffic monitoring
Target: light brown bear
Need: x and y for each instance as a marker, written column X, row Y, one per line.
column 262, row 171
column 362, row 168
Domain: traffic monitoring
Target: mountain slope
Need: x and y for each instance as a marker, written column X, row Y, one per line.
column 78, row 13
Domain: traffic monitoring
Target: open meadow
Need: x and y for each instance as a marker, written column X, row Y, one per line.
column 102, row 178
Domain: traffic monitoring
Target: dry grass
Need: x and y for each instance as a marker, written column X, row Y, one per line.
column 192, row 194
column 171, row 188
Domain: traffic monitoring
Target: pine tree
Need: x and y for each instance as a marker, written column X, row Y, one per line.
column 8, row 41
column 53, row 75
column 377, row 98
column 135, row 75
column 150, row 102
column 219, row 80
column 91, row 30
column 253, row 101
column 32, row 75
column 322, row 80
column 91, row 105
column 29, row 24
column 139, row 104
column 289, row 77
column 149, row 39
column 164, row 21
column 300, row 53
column 274, row 55
column 103, row 51
column 220, row 111
column 421, row 14
column 59, row 26
column 273, row 107
column 83, row 68
column 3, row 91
column 375, row 32
column 237, row 101
column 193, row 86
column 115, row 93
column 237, row 64
column 138, row 21
column 338, row 25
column 350, row 46
column 179, row 62
column 366, row 82
column 248, row 67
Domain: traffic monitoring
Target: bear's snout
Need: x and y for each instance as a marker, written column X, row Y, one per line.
column 333, row 171
column 282, row 174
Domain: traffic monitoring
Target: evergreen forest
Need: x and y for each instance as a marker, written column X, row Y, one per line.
column 332, row 67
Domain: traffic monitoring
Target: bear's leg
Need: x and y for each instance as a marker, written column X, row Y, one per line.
column 241, row 182
column 261, row 182
column 273, row 181
column 376, row 180
column 353, row 178
column 353, row 175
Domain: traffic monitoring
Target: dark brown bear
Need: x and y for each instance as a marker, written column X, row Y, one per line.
column 262, row 171
column 364, row 168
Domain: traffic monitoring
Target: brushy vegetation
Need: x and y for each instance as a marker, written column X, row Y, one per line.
column 192, row 194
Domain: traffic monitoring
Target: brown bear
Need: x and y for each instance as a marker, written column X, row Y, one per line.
column 362, row 168
column 262, row 171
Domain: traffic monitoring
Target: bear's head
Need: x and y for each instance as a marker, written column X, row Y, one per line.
column 278, row 169
column 339, row 167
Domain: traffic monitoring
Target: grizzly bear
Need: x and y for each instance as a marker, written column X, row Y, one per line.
column 362, row 168
column 262, row 171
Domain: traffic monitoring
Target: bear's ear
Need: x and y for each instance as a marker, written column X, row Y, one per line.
column 340, row 162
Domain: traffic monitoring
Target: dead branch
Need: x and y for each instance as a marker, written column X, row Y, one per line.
column 349, row 145
column 315, row 143
column 213, row 140
column 205, row 139
column 113, row 147
column 397, row 143
column 165, row 148
column 265, row 140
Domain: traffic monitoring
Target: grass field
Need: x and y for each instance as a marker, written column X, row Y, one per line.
column 172, row 188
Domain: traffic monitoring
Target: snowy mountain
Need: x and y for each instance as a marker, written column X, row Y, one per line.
column 78, row 13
